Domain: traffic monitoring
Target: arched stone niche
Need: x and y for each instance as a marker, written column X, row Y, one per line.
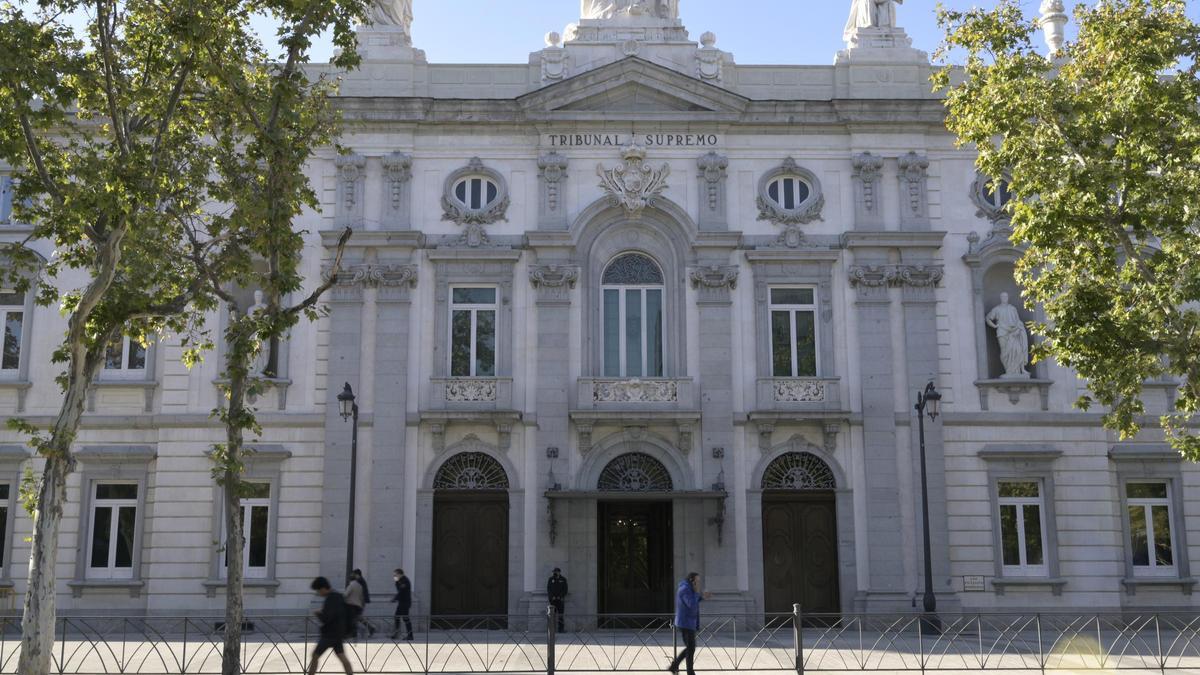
column 665, row 233
column 992, row 262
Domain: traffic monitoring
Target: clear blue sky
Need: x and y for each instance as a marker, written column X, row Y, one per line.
column 756, row 31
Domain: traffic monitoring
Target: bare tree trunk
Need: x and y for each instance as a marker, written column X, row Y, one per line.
column 231, row 660
column 37, row 623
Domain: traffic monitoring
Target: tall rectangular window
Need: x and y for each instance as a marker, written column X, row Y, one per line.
column 113, row 529
column 473, row 313
column 633, row 332
column 1022, row 528
column 12, row 315
column 793, row 314
column 1151, row 540
column 256, row 529
column 125, row 358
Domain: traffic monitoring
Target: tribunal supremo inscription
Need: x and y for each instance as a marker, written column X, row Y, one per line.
column 621, row 140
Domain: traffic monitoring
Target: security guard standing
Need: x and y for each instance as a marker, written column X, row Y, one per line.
column 556, row 589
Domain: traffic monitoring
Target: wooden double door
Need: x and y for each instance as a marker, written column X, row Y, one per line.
column 636, row 551
column 470, row 554
column 800, row 555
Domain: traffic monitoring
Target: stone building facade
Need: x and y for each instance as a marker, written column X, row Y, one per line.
column 630, row 309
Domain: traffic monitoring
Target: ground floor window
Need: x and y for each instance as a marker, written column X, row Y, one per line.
column 113, row 529
column 1022, row 528
column 256, row 530
column 1151, row 539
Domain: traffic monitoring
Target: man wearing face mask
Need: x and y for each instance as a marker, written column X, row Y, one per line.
column 403, row 600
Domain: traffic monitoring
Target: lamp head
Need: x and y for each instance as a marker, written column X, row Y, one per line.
column 346, row 400
column 933, row 401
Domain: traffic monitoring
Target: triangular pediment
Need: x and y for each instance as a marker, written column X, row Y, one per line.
column 633, row 87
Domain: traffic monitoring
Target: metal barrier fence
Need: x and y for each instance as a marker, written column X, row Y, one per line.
column 280, row 645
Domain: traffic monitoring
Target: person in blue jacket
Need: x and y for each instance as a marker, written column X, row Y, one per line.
column 687, row 619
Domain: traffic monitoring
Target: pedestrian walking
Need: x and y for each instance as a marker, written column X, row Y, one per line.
column 556, row 589
column 355, row 603
column 403, row 600
column 366, row 598
column 687, row 619
column 334, row 617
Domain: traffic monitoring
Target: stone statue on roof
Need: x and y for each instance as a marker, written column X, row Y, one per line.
column 392, row 13
column 611, row 9
column 870, row 14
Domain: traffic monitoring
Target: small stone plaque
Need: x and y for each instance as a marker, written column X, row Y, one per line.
column 974, row 584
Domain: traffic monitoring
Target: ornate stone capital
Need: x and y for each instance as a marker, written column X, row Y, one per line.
column 872, row 276
column 552, row 174
column 634, row 184
column 375, row 275
column 554, row 282
column 397, row 177
column 867, row 169
column 351, row 174
column 920, row 276
column 714, row 277
column 914, row 189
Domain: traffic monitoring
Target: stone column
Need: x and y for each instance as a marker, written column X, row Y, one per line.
column 344, row 362
column 714, row 285
column 918, row 283
column 553, row 285
column 387, row 480
column 872, row 278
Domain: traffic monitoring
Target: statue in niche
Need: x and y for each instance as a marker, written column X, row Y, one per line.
column 1013, row 339
column 870, row 14
column 262, row 359
column 392, row 13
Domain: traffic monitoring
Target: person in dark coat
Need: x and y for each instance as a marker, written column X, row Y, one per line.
column 687, row 619
column 334, row 616
column 403, row 600
column 556, row 589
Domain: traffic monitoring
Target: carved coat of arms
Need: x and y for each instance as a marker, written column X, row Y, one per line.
column 634, row 184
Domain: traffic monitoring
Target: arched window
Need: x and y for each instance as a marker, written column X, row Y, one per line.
column 471, row 471
column 632, row 288
column 799, row 471
column 635, row 472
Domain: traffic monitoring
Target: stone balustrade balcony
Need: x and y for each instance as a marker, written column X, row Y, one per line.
column 651, row 393
column 810, row 394
column 471, row 393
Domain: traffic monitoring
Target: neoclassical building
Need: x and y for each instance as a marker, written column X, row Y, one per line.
column 631, row 309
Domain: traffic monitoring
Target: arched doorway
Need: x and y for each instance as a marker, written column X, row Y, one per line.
column 635, row 537
column 470, row 537
column 799, row 532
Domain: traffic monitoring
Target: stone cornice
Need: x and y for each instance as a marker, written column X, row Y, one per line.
column 410, row 239
column 375, row 275
column 893, row 239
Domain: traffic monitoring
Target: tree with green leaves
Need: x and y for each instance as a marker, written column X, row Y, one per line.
column 126, row 138
column 1100, row 145
column 273, row 119
column 106, row 131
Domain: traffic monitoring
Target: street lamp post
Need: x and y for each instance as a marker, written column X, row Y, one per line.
column 928, row 401
column 350, row 410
